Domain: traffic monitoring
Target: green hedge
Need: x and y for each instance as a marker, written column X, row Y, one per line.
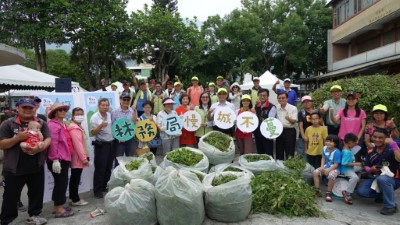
column 372, row 90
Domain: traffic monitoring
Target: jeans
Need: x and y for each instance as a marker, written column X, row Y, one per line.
column 387, row 186
column 264, row 145
column 300, row 148
column 124, row 148
column 74, row 181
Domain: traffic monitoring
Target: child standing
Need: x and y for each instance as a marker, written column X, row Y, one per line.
column 331, row 158
column 315, row 136
column 348, row 162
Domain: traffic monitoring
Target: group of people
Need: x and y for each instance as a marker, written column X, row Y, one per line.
column 26, row 137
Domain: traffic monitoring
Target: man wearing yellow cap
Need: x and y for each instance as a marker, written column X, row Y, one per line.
column 254, row 90
column 221, row 83
column 221, row 104
column 212, row 92
column 194, row 92
column 176, row 95
column 337, row 102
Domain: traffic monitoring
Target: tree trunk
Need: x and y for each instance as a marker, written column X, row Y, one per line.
column 43, row 65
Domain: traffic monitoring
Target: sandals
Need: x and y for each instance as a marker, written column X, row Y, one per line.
column 66, row 209
column 65, row 214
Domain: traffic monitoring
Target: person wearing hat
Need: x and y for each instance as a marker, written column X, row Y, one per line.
column 380, row 119
column 352, row 119
column 244, row 140
column 169, row 142
column 263, row 109
column 152, row 84
column 128, row 90
column 142, row 95
column 221, row 83
column 304, row 118
column 235, row 95
column 157, row 97
column 292, row 96
column 221, row 104
column 114, row 87
column 122, row 148
column 194, row 92
column 178, row 91
column 336, row 103
column 169, row 91
column 212, row 92
column 19, row 168
column 37, row 101
column 254, row 90
column 59, row 157
column 104, row 152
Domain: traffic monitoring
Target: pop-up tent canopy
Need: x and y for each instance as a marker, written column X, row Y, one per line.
column 267, row 80
column 20, row 77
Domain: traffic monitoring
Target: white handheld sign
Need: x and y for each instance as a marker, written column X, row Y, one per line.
column 224, row 118
column 172, row 124
column 271, row 128
column 247, row 122
column 191, row 120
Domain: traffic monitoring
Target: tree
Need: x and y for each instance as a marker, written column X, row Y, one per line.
column 30, row 24
column 170, row 5
column 161, row 38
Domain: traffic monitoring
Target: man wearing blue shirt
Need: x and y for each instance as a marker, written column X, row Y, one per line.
column 292, row 96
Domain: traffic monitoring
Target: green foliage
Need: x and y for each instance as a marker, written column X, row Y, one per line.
column 373, row 90
column 233, row 169
column 222, row 179
column 282, row 194
column 134, row 164
column 219, row 140
column 184, row 156
column 199, row 175
column 297, row 164
column 255, row 158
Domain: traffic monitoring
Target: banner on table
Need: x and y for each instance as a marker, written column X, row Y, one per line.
column 224, row 118
column 247, row 122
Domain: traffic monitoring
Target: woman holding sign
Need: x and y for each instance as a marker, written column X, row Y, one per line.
column 202, row 109
column 244, row 139
column 187, row 138
column 147, row 107
column 169, row 141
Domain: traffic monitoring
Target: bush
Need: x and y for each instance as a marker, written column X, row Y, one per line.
column 372, row 90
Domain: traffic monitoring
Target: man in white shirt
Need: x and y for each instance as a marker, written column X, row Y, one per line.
column 222, row 103
column 287, row 114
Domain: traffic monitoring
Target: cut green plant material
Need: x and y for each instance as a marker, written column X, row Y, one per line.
column 255, row 158
column 222, row 179
column 134, row 164
column 297, row 164
column 233, row 169
column 185, row 157
column 148, row 157
column 283, row 194
column 199, row 175
column 219, row 140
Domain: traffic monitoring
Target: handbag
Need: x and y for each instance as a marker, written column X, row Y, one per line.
column 155, row 142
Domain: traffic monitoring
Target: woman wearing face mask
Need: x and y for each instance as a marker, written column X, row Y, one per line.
column 80, row 155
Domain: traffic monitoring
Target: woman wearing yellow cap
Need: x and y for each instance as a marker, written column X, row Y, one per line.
column 380, row 120
column 244, row 140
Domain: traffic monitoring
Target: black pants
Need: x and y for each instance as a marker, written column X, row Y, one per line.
column 74, row 181
column 60, row 183
column 104, row 156
column 286, row 143
column 333, row 130
column 264, row 145
column 123, row 148
column 225, row 131
column 314, row 160
column 12, row 191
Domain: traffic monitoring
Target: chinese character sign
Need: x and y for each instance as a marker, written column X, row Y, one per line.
column 191, row 120
column 224, row 118
column 123, row 129
column 271, row 128
column 247, row 122
column 173, row 124
column 146, row 130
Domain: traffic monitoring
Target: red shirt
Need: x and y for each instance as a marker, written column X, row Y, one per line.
column 187, row 137
column 239, row 133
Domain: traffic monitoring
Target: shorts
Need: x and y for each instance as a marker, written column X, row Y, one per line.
column 331, row 176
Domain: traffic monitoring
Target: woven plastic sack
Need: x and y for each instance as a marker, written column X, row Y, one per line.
column 221, row 168
column 229, row 202
column 134, row 204
column 258, row 166
column 200, row 166
column 179, row 198
column 216, row 156
column 121, row 176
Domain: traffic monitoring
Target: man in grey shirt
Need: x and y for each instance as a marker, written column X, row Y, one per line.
column 337, row 102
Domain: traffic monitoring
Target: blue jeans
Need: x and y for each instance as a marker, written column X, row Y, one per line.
column 300, row 148
column 387, row 186
column 126, row 148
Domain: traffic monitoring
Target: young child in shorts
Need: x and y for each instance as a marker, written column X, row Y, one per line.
column 330, row 162
column 347, row 166
column 35, row 137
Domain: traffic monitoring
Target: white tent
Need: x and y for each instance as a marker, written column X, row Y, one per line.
column 18, row 76
column 267, row 80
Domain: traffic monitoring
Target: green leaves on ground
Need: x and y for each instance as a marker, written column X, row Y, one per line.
column 219, row 140
column 297, row 164
column 255, row 158
column 222, row 179
column 282, row 194
column 184, row 156
column 134, row 164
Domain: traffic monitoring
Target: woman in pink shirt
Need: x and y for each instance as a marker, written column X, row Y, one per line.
column 80, row 155
column 59, row 157
column 194, row 92
column 352, row 118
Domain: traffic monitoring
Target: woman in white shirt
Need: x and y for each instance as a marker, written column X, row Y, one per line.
column 235, row 95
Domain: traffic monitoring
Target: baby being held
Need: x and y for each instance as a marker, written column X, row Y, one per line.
column 35, row 137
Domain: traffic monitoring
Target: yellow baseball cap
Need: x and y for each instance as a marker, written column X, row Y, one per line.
column 380, row 107
column 177, row 84
column 211, row 84
column 220, row 77
column 220, row 90
column 336, row 87
column 114, row 84
column 246, row 97
column 195, row 78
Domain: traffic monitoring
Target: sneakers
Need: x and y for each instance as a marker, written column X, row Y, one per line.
column 36, row 220
column 347, row 197
column 79, row 203
column 21, row 207
column 328, row 196
column 388, row 211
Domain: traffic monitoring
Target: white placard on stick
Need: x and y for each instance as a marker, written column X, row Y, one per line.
column 191, row 120
column 271, row 128
column 247, row 122
column 224, row 118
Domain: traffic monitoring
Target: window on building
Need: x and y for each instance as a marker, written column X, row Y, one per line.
column 389, row 37
column 346, row 9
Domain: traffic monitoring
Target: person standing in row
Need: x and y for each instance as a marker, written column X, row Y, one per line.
column 104, row 152
column 202, row 109
column 169, row 142
column 304, row 118
column 212, row 92
column 221, row 104
column 254, row 90
column 235, row 95
column 244, row 140
column 20, row 168
column 194, row 92
column 178, row 91
column 80, row 155
column 122, row 148
column 187, row 138
column 157, row 97
column 287, row 114
column 147, row 115
column 142, row 95
column 336, row 103
column 292, row 96
column 59, row 157
column 263, row 110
